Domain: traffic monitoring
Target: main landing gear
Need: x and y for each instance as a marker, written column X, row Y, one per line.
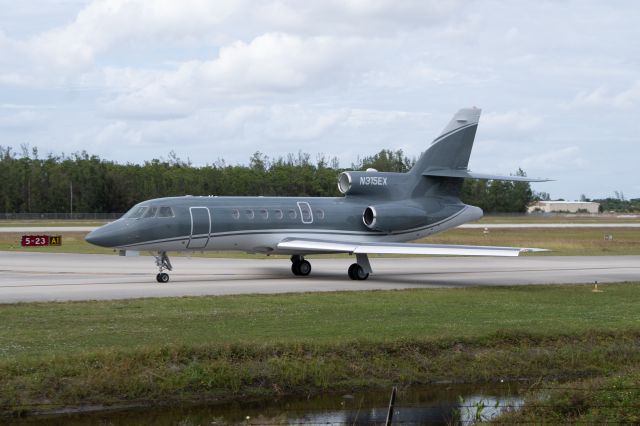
column 299, row 266
column 163, row 262
column 356, row 272
column 360, row 271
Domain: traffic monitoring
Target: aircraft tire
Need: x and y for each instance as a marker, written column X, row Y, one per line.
column 295, row 268
column 162, row 277
column 351, row 271
column 304, row 268
column 361, row 274
column 357, row 273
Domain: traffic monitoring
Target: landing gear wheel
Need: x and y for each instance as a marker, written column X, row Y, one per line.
column 304, row 268
column 351, row 271
column 356, row 272
column 299, row 266
column 295, row 268
column 163, row 262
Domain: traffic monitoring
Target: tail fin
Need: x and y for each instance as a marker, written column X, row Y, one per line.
column 449, row 151
column 452, row 149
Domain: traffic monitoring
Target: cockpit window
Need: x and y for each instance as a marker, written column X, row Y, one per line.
column 136, row 212
column 150, row 213
column 165, row 212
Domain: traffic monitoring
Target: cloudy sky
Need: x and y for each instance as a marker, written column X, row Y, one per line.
column 131, row 80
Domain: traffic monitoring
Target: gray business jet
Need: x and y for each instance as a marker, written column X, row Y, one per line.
column 378, row 214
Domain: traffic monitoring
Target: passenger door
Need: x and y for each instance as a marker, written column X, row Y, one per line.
column 200, row 227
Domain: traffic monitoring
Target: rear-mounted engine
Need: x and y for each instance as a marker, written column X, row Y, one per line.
column 392, row 217
column 367, row 183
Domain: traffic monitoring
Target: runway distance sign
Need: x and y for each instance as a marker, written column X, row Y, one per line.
column 41, row 240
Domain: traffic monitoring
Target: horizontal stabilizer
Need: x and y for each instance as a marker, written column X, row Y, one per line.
column 462, row 173
column 328, row 246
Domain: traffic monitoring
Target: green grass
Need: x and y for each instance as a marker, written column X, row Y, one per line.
column 602, row 400
column 53, row 223
column 72, row 242
column 236, row 347
column 561, row 241
column 563, row 218
column 36, row 329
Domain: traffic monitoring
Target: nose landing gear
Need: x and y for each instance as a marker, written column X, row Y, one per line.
column 163, row 262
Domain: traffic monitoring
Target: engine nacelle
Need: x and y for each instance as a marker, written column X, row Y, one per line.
column 392, row 217
column 367, row 183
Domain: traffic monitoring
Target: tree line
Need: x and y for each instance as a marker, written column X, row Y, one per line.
column 87, row 183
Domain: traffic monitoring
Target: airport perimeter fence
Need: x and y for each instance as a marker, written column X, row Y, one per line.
column 60, row 216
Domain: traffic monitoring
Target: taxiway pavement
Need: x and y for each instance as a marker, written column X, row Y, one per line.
column 29, row 277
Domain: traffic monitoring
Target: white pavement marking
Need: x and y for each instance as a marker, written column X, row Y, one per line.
column 28, row 277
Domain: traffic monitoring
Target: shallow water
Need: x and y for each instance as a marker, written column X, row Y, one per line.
column 432, row 404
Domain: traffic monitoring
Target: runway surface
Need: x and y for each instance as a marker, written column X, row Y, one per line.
column 27, row 277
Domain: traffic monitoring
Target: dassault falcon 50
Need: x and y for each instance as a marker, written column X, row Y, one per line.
column 378, row 213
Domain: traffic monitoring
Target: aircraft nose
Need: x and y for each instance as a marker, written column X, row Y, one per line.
column 96, row 237
column 105, row 236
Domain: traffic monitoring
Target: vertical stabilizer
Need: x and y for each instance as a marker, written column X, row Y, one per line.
column 450, row 150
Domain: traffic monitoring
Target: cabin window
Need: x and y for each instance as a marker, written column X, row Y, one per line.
column 292, row 213
column 235, row 213
column 264, row 214
column 136, row 212
column 151, row 212
column 249, row 213
column 165, row 212
column 319, row 214
column 277, row 213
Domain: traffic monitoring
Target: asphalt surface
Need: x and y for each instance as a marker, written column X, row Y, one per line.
column 28, row 277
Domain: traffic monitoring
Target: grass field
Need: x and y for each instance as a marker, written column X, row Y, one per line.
column 50, row 223
column 561, row 241
column 597, row 401
column 256, row 346
column 562, row 218
column 35, row 329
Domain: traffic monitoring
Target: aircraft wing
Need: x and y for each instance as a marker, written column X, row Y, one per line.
column 330, row 246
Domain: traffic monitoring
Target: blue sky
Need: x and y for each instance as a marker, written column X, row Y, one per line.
column 129, row 80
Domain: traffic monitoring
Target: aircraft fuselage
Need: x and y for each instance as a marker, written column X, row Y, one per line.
column 258, row 224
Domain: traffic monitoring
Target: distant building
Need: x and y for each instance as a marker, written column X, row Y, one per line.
column 564, row 207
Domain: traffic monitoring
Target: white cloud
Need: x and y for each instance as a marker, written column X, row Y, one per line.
column 294, row 122
column 20, row 119
column 270, row 63
column 601, row 97
column 105, row 23
column 566, row 158
column 509, row 123
column 354, row 17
